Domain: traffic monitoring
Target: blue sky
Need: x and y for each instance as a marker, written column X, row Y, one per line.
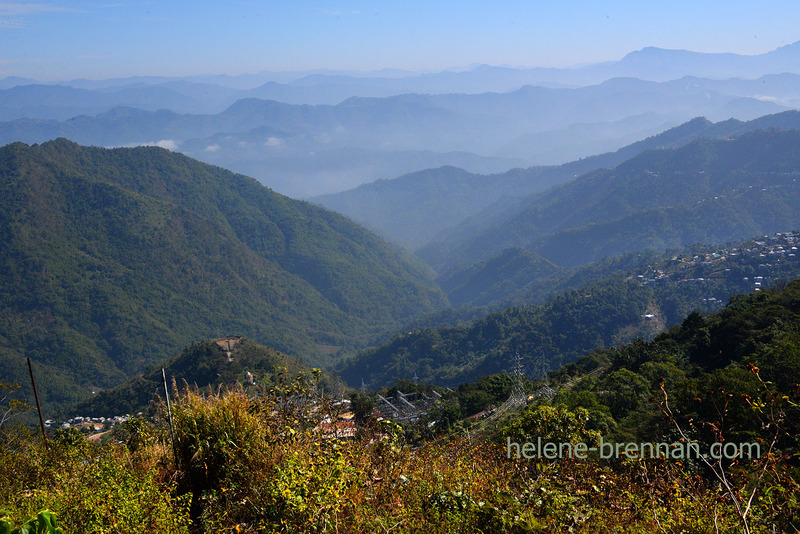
column 62, row 40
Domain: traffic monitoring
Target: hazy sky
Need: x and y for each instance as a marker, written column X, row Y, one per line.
column 61, row 40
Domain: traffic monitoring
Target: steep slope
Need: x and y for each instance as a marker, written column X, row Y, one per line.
column 497, row 279
column 111, row 260
column 707, row 191
column 745, row 351
column 561, row 330
column 507, row 208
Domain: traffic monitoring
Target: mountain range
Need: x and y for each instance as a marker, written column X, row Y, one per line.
column 113, row 259
column 708, row 191
column 306, row 150
column 209, row 94
column 448, row 204
column 585, row 253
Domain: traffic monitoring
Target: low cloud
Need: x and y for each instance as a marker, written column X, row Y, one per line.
column 168, row 144
column 212, row 148
column 273, row 141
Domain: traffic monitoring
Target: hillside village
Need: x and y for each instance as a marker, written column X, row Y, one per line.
column 749, row 266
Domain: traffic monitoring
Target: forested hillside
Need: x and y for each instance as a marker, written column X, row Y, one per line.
column 601, row 305
column 706, row 365
column 112, row 260
column 563, row 329
column 708, row 191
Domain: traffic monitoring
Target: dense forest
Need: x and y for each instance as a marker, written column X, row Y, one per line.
column 129, row 256
column 281, row 274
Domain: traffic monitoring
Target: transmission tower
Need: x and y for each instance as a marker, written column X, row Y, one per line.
column 541, row 366
column 518, row 397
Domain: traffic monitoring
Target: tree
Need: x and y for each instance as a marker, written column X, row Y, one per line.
column 9, row 406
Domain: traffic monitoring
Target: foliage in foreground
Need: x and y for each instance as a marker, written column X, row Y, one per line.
column 262, row 465
column 89, row 487
column 44, row 523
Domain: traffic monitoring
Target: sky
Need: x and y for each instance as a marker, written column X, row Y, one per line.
column 64, row 40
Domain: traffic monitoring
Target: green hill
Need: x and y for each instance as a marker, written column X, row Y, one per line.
column 113, row 259
column 204, row 364
column 498, row 279
column 562, row 329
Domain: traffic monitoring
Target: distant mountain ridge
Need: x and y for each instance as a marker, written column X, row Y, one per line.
column 414, row 208
column 664, row 64
column 332, row 87
column 306, row 150
column 39, row 101
column 447, row 204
